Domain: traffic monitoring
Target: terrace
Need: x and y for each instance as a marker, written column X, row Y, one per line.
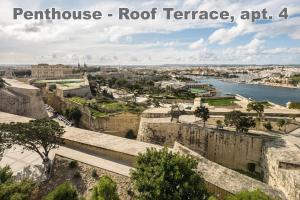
column 104, row 108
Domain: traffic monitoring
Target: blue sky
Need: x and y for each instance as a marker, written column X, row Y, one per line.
column 115, row 42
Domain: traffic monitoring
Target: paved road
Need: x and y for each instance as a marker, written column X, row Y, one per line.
column 23, row 163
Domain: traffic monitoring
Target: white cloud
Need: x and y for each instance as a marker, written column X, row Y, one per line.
column 252, row 48
column 295, row 34
column 112, row 41
column 224, row 36
column 198, row 44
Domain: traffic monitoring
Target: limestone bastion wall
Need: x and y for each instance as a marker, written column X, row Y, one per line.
column 226, row 148
column 117, row 124
column 23, row 102
column 285, row 177
column 11, row 103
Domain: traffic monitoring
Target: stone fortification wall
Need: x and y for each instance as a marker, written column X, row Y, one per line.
column 222, row 181
column 281, row 163
column 11, row 103
column 83, row 91
column 117, row 124
column 22, row 101
column 34, row 105
column 223, row 147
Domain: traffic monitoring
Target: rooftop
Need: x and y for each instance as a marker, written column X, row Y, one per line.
column 61, row 81
column 18, row 84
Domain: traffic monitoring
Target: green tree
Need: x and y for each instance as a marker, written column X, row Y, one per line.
column 163, row 175
column 106, row 189
column 280, row 123
column 250, row 195
column 156, row 103
column 175, row 112
column 257, row 107
column 219, row 124
column 203, row 113
column 74, row 114
column 40, row 136
column 240, row 121
column 10, row 189
column 5, row 174
column 65, row 191
column 268, row 126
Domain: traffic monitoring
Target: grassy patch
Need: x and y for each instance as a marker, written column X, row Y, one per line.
column 114, row 106
column 102, row 109
column 197, row 91
column 79, row 100
column 295, row 78
column 96, row 113
column 220, row 102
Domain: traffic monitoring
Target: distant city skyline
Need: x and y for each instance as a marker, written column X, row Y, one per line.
column 114, row 42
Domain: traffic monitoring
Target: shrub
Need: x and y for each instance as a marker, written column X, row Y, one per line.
column 249, row 195
column 94, row 173
column 268, row 126
column 212, row 198
column 73, row 114
column 130, row 135
column 11, row 189
column 5, row 174
column 165, row 175
column 280, row 123
column 73, row 164
column 65, row 191
column 219, row 124
column 77, row 175
column 106, row 189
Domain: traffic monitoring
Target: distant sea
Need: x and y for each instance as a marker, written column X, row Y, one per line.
column 277, row 95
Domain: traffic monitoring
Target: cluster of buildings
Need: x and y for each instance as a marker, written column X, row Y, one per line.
column 281, row 80
column 221, row 153
column 45, row 71
column 65, row 81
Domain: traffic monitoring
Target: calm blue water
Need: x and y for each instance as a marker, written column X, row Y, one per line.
column 258, row 92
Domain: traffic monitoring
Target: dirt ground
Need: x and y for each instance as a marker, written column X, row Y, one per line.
column 85, row 183
column 291, row 126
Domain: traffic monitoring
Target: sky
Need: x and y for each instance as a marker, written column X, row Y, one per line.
column 110, row 41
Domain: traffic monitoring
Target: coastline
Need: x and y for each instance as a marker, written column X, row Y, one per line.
column 252, row 83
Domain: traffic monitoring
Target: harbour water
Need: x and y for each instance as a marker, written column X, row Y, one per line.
column 277, row 95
